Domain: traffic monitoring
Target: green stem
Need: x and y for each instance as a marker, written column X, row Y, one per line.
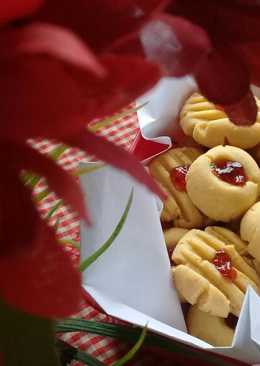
column 130, row 335
column 132, row 352
column 69, row 353
column 92, row 258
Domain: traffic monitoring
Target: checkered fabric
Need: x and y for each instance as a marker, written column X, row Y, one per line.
column 121, row 132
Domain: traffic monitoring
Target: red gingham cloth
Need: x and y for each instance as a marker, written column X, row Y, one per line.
column 121, row 132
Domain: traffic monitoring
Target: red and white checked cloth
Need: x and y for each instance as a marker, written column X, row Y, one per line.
column 121, row 132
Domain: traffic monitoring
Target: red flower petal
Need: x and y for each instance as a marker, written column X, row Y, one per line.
column 18, row 216
column 47, row 101
column 239, row 21
column 116, row 156
column 56, row 101
column 99, row 22
column 66, row 186
column 120, row 87
column 224, row 21
column 174, row 43
column 244, row 112
column 250, row 53
column 12, row 9
column 40, row 38
column 43, row 283
column 222, row 77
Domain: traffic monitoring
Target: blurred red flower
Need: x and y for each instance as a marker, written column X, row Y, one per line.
column 64, row 63
column 52, row 85
column 215, row 41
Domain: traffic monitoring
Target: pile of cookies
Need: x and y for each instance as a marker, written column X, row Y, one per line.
column 210, row 217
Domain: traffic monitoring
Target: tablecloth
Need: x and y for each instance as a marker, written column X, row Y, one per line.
column 121, row 132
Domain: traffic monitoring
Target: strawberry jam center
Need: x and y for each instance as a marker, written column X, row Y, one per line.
column 178, row 176
column 222, row 262
column 231, row 172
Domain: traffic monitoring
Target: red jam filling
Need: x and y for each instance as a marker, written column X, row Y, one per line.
column 230, row 171
column 178, row 176
column 222, row 262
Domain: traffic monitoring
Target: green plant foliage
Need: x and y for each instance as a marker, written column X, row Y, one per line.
column 26, row 340
column 92, row 258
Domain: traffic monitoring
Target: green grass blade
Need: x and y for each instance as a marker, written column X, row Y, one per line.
column 132, row 352
column 92, row 258
column 56, row 153
column 41, row 195
column 54, row 209
column 30, row 179
column 87, row 169
column 130, row 335
column 109, row 120
column 71, row 242
column 69, row 353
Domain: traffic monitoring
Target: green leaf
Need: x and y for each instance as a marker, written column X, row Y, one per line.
column 130, row 335
column 131, row 353
column 30, row 179
column 41, row 195
column 109, row 120
column 26, row 340
column 87, row 169
column 92, row 258
column 69, row 353
column 71, row 242
column 54, row 209
column 56, row 153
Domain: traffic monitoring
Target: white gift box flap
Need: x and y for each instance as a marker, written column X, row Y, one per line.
column 245, row 347
column 158, row 117
column 132, row 280
column 136, row 269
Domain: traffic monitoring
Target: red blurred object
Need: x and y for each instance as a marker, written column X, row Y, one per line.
column 13, row 9
column 44, row 283
column 52, row 85
column 222, row 262
column 215, row 41
column 144, row 149
column 99, row 22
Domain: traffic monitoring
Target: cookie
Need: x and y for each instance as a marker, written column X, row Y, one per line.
column 223, row 183
column 250, row 231
column 209, row 126
column 211, row 273
column 169, row 171
column 211, row 329
column 173, row 235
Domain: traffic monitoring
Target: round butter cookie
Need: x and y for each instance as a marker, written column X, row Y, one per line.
column 211, row 329
column 250, row 231
column 169, row 170
column 209, row 271
column 209, row 126
column 223, row 183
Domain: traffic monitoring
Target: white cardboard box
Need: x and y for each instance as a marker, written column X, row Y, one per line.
column 132, row 280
